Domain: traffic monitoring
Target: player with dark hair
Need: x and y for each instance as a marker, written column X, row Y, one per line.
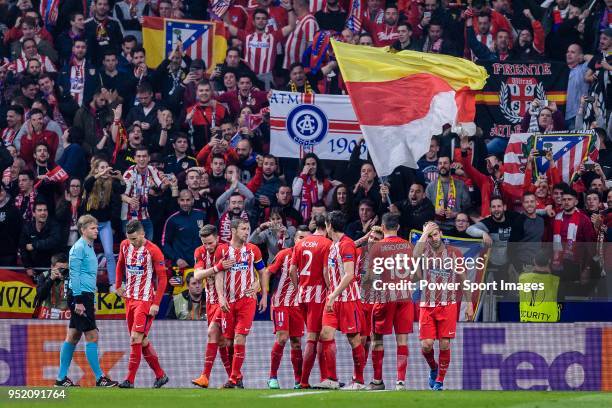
column 286, row 312
column 140, row 259
column 342, row 310
column 205, row 269
column 393, row 311
column 307, row 265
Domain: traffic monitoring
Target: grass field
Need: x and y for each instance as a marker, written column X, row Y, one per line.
column 169, row 398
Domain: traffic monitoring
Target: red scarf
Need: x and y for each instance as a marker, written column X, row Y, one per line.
column 564, row 248
column 310, row 195
column 225, row 229
column 27, row 214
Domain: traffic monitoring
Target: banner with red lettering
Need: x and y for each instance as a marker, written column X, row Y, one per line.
column 510, row 89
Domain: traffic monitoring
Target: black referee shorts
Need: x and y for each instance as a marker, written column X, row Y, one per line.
column 87, row 321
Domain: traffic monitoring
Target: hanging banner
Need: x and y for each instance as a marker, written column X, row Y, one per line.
column 323, row 124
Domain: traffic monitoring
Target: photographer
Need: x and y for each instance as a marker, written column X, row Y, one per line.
column 188, row 305
column 51, row 291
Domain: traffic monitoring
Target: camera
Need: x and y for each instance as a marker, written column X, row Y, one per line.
column 64, row 272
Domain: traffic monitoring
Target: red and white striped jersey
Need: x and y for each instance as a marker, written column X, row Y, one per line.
column 310, row 257
column 340, row 252
column 139, row 266
column 21, row 64
column 137, row 185
column 439, row 270
column 205, row 260
column 260, row 50
column 366, row 292
column 317, row 5
column 241, row 276
column 286, row 293
column 299, row 39
column 392, row 247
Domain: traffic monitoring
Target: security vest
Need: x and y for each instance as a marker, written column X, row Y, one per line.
column 186, row 310
column 539, row 305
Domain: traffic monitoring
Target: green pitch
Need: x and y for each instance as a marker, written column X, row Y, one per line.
column 184, row 398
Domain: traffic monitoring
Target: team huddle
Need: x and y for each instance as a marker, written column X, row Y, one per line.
column 322, row 284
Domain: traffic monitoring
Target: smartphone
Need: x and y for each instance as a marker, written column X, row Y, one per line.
column 427, row 14
column 544, row 102
column 589, row 99
column 589, row 166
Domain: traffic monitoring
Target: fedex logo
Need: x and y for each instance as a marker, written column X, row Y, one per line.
column 579, row 368
column 29, row 355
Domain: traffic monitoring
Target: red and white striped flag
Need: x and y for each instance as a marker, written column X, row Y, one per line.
column 569, row 151
column 514, row 164
column 57, row 175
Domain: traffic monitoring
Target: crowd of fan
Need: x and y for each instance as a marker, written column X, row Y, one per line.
column 179, row 146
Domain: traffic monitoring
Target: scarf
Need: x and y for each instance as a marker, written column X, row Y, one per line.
column 559, row 249
column 307, row 88
column 225, row 229
column 451, row 200
column 8, row 136
column 141, row 188
column 77, row 79
column 101, row 32
column 122, row 138
column 310, row 195
column 28, row 211
column 281, row 240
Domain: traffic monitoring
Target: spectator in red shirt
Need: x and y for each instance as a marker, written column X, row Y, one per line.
column 204, row 115
column 246, row 95
column 385, row 32
column 36, row 134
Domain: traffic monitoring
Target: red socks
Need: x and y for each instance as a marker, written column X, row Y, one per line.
column 429, row 357
column 134, row 363
column 239, row 354
column 209, row 358
column 358, row 362
column 444, row 358
column 151, row 358
column 225, row 354
column 329, row 353
column 402, row 362
column 377, row 363
column 310, row 353
column 322, row 365
column 296, row 362
column 275, row 358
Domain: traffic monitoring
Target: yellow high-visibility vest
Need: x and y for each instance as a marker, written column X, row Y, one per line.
column 539, row 305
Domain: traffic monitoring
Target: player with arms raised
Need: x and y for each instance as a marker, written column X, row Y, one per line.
column 286, row 313
column 342, row 310
column 234, row 288
column 205, row 269
column 307, row 264
column 438, row 307
column 141, row 259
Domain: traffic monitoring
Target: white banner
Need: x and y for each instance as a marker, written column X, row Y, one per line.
column 304, row 123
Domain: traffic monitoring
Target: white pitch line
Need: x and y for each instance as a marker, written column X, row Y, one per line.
column 295, row 394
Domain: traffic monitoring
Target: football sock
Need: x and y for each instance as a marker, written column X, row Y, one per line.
column 91, row 351
column 151, row 358
column 66, row 353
